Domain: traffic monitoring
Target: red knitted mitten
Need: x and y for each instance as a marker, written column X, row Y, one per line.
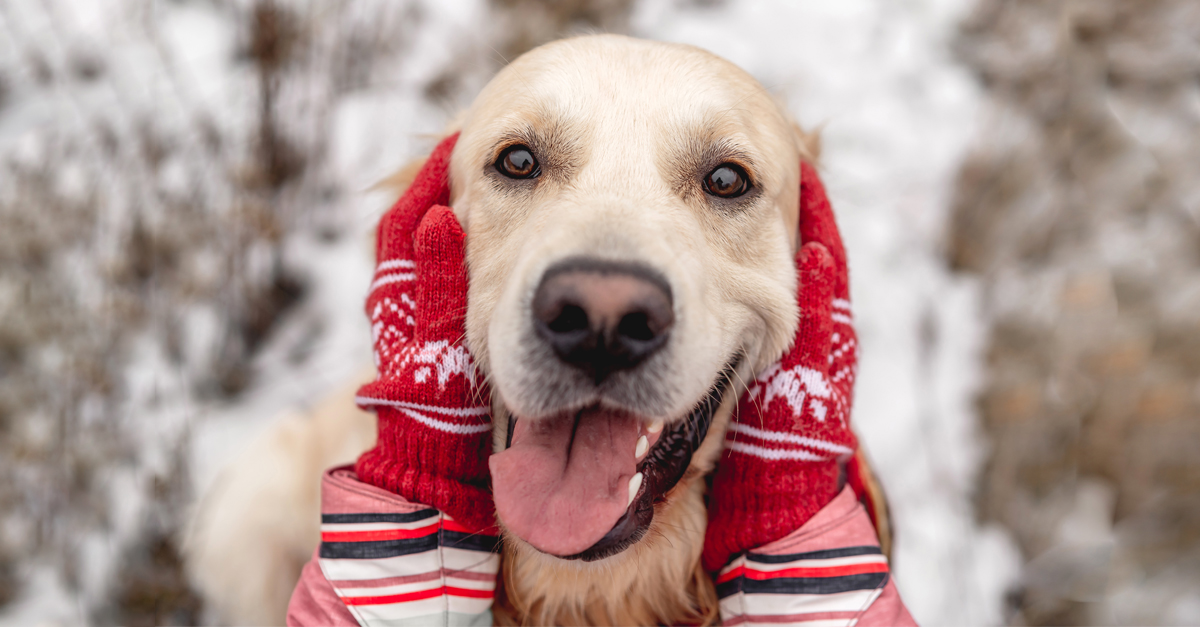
column 792, row 425
column 433, row 409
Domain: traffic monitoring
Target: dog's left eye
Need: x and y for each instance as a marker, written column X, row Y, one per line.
column 727, row 180
column 518, row 162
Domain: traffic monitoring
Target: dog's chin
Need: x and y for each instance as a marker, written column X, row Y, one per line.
column 528, row 513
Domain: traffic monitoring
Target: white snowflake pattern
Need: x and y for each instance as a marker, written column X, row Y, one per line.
column 801, row 388
column 391, row 323
column 448, row 360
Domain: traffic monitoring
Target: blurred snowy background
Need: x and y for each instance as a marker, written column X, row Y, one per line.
column 186, row 208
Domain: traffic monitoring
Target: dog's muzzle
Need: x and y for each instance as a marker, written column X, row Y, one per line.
column 583, row 484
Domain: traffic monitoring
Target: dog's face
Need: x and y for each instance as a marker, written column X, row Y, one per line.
column 630, row 210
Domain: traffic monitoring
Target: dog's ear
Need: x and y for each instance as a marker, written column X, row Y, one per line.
column 808, row 143
column 398, row 182
column 395, row 185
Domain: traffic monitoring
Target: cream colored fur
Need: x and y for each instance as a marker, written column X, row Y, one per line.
column 624, row 123
column 260, row 521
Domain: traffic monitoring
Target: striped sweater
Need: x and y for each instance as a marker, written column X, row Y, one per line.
column 386, row 561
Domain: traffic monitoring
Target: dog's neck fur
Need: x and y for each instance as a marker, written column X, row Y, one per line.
column 664, row 584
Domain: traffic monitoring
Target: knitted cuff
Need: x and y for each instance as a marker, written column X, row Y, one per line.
column 424, row 466
column 785, row 496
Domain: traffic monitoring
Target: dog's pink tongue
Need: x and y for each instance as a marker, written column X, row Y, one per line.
column 564, row 482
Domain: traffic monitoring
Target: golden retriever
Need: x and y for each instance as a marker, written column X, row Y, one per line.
column 651, row 186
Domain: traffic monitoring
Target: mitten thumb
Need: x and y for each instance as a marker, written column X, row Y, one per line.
column 442, row 292
column 815, row 266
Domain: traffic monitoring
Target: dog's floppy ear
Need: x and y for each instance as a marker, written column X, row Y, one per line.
column 430, row 187
column 808, row 143
column 395, row 185
column 399, row 181
column 817, row 224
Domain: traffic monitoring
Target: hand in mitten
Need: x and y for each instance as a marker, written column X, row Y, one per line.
column 791, row 427
column 433, row 409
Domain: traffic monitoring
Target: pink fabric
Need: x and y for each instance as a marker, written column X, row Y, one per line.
column 842, row 524
column 385, row 559
column 343, row 493
column 315, row 603
column 888, row 609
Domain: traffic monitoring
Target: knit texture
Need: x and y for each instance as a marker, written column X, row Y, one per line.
column 433, row 408
column 792, row 425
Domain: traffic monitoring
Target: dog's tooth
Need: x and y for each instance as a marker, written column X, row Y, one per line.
column 654, row 427
column 634, row 485
column 642, row 446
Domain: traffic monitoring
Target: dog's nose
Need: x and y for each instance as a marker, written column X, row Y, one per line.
column 603, row 316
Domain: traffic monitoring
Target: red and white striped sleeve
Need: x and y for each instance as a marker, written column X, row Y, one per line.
column 386, row 561
column 829, row 572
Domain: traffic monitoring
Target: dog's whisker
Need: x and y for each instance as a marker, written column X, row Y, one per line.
column 499, row 54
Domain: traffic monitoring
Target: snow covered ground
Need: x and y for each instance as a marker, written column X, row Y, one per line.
column 895, row 112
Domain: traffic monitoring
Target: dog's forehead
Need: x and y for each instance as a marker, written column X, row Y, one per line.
column 634, row 89
column 615, row 117
column 636, row 82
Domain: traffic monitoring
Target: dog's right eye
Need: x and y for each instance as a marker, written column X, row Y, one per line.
column 727, row 180
column 518, row 162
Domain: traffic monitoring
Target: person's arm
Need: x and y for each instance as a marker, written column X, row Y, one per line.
column 409, row 535
column 384, row 559
column 830, row 569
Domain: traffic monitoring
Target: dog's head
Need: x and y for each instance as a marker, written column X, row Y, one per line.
column 630, row 210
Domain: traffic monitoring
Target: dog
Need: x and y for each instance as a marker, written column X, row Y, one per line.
column 653, row 186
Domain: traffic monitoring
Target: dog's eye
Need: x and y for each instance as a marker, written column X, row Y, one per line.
column 727, row 180
column 518, row 162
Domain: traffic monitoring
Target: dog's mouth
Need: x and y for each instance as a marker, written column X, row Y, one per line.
column 584, row 485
